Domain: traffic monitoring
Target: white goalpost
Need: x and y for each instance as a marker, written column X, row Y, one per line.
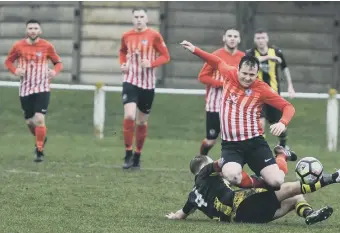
column 332, row 120
column 99, row 104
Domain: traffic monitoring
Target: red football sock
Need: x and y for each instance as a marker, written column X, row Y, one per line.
column 128, row 129
column 282, row 163
column 141, row 133
column 250, row 182
column 40, row 135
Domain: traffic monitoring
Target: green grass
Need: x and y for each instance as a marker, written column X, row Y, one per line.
column 81, row 188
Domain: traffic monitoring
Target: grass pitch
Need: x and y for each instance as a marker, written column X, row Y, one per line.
column 80, row 186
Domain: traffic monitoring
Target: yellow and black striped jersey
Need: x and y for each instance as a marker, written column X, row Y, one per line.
column 211, row 195
column 269, row 69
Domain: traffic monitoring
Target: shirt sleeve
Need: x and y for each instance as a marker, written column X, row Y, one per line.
column 206, row 77
column 12, row 56
column 161, row 48
column 55, row 58
column 188, row 207
column 280, row 55
column 123, row 51
column 214, row 61
column 274, row 99
column 209, row 169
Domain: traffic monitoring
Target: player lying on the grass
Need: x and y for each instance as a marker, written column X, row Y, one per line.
column 212, row 195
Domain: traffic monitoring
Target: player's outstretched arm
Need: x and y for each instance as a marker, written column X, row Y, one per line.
column 183, row 213
column 211, row 59
column 206, row 77
column 177, row 215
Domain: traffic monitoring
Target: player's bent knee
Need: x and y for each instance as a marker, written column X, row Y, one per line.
column 29, row 122
column 138, row 122
column 39, row 119
column 232, row 172
column 142, row 118
column 129, row 117
column 273, row 176
column 130, row 111
column 275, row 182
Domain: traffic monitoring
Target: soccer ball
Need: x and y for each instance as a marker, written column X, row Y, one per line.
column 309, row 170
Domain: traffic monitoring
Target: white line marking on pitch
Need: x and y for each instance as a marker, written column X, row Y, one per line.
column 40, row 173
column 120, row 167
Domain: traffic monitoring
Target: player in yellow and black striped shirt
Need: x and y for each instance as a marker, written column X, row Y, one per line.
column 217, row 200
column 271, row 58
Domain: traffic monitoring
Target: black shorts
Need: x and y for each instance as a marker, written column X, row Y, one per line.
column 35, row 103
column 271, row 114
column 142, row 97
column 212, row 125
column 255, row 152
column 255, row 206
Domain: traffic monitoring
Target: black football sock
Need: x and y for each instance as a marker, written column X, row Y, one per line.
column 303, row 209
column 325, row 180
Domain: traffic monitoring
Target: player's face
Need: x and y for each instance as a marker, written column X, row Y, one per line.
column 33, row 31
column 231, row 39
column 139, row 19
column 247, row 74
column 261, row 40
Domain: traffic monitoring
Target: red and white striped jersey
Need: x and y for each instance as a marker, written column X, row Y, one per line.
column 241, row 107
column 33, row 58
column 136, row 46
column 213, row 94
column 214, row 80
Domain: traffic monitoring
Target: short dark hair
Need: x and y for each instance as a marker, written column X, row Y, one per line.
column 139, row 9
column 260, row 30
column 249, row 60
column 197, row 162
column 33, row 21
column 231, row 28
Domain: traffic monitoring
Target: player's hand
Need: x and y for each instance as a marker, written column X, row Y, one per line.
column 124, row 68
column 178, row 215
column 277, row 129
column 291, row 92
column 51, row 73
column 171, row 216
column 174, row 216
column 19, row 72
column 146, row 63
column 187, row 45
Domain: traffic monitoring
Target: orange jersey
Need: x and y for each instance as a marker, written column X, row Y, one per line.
column 136, row 46
column 214, row 80
column 241, row 107
column 34, row 60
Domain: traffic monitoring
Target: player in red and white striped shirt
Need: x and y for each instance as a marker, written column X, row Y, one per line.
column 32, row 55
column 142, row 51
column 242, row 100
column 214, row 82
